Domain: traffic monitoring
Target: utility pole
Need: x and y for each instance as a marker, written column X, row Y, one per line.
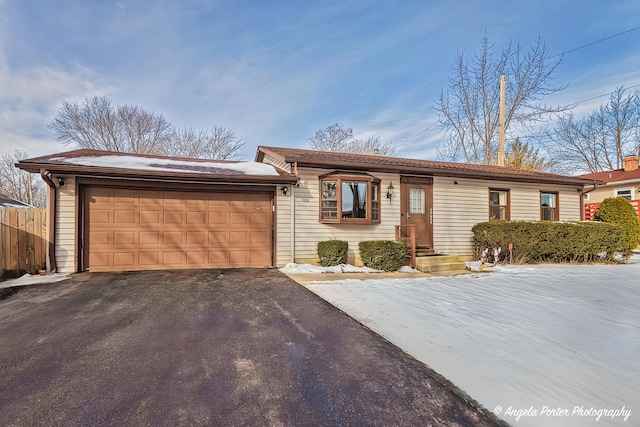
column 503, row 90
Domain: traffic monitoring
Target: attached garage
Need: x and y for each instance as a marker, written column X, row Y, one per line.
column 131, row 229
column 120, row 212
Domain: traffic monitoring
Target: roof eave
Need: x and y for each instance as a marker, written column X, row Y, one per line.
column 443, row 172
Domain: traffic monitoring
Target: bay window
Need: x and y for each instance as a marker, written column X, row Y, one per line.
column 349, row 198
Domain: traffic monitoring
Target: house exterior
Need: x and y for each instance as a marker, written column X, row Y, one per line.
column 115, row 211
column 442, row 200
column 623, row 182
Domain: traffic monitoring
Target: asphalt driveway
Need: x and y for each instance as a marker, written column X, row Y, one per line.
column 206, row 347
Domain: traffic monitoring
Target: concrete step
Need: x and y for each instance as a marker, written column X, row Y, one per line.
column 434, row 264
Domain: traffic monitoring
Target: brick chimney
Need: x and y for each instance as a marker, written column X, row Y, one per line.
column 630, row 163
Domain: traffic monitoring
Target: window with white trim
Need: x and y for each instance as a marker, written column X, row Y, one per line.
column 626, row 193
column 549, row 207
column 498, row 205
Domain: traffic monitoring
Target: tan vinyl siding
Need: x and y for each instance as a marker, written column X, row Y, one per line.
column 66, row 226
column 277, row 163
column 457, row 208
column 283, row 227
column 309, row 231
column 599, row 194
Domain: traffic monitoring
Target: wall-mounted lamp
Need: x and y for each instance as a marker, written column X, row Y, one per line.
column 390, row 191
column 284, row 190
column 61, row 181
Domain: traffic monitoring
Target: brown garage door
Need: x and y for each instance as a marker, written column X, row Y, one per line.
column 143, row 230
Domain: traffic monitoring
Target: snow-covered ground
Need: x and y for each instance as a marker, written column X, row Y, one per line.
column 29, row 279
column 542, row 345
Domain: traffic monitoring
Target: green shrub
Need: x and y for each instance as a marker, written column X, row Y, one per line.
column 618, row 210
column 539, row 242
column 333, row 252
column 387, row 255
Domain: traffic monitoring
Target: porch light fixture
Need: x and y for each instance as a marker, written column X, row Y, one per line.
column 390, row 190
column 284, row 190
column 61, row 181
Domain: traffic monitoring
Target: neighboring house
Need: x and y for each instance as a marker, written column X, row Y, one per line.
column 117, row 211
column 623, row 182
column 8, row 202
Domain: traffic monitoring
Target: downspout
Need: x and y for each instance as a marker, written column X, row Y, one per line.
column 582, row 193
column 292, row 239
column 53, row 267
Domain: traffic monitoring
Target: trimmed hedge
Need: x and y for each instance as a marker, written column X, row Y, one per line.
column 552, row 242
column 387, row 255
column 618, row 210
column 333, row 252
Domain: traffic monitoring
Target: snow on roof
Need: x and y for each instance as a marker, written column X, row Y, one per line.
column 159, row 164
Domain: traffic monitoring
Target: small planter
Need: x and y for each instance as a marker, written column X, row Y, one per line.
column 42, row 272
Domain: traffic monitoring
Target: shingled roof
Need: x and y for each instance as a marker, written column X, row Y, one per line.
column 618, row 175
column 127, row 165
column 378, row 163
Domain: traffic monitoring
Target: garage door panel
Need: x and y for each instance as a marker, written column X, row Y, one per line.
column 148, row 217
column 100, row 259
column 101, row 238
column 238, row 237
column 124, row 238
column 218, row 238
column 172, row 237
column 124, row 259
column 124, row 217
column 100, row 216
column 149, row 237
column 173, row 198
column 218, row 217
column 238, row 258
column 125, row 197
column 149, row 259
column 218, row 258
column 196, row 258
column 196, row 238
column 149, row 229
column 259, row 237
column 170, row 258
column 173, row 217
column 259, row 218
column 238, row 218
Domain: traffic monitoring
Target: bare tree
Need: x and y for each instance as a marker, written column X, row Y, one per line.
column 97, row 124
column 340, row 139
column 599, row 141
column 332, row 138
column 218, row 143
column 521, row 155
column 19, row 184
column 469, row 108
column 373, row 145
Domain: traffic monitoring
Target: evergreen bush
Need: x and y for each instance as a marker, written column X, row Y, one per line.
column 618, row 210
column 552, row 242
column 387, row 255
column 333, row 252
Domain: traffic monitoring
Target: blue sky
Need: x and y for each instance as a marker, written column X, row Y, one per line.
column 276, row 71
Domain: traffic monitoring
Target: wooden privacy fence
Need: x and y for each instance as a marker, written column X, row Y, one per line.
column 22, row 241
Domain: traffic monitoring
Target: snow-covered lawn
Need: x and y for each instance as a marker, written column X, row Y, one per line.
column 553, row 344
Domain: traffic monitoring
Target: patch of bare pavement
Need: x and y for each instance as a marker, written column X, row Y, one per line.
column 207, row 347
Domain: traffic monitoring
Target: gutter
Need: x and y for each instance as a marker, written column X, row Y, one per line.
column 53, row 195
column 582, row 193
